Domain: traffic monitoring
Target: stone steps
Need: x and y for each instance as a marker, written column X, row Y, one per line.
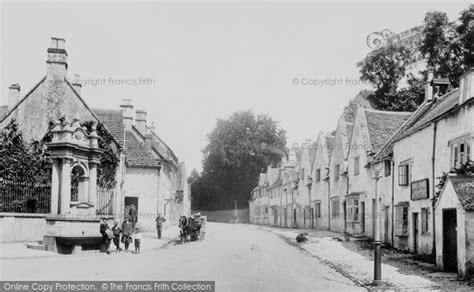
column 37, row 245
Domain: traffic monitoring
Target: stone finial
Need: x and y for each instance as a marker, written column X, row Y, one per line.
column 75, row 122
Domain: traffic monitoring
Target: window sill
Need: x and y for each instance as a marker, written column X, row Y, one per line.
column 402, row 236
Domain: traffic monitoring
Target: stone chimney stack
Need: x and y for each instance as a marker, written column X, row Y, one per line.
column 127, row 113
column 149, row 135
column 140, row 120
column 77, row 84
column 57, row 60
column 427, row 85
column 13, row 95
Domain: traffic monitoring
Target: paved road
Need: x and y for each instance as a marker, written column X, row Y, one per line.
column 237, row 257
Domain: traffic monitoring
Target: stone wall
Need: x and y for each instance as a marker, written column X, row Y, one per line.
column 225, row 216
column 15, row 227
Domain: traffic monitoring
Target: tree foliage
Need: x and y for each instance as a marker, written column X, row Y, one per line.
column 22, row 161
column 29, row 161
column 445, row 46
column 238, row 149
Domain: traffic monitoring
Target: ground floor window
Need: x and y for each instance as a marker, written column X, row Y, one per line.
column 318, row 210
column 352, row 210
column 425, row 214
column 335, row 207
column 401, row 221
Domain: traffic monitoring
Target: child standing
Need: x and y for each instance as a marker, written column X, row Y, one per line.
column 117, row 230
column 137, row 237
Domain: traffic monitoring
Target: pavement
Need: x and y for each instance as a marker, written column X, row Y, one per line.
column 329, row 248
column 18, row 250
column 238, row 257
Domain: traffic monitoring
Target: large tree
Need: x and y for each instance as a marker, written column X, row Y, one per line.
column 445, row 46
column 238, row 149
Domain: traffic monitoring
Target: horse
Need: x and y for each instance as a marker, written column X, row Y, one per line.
column 185, row 227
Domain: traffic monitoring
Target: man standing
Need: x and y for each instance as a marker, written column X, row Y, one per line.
column 104, row 227
column 133, row 213
column 159, row 224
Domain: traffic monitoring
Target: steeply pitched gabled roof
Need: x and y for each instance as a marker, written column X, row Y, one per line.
column 424, row 114
column 3, row 111
column 136, row 153
column 113, row 122
column 312, row 153
column 329, row 144
column 433, row 109
column 464, row 188
column 382, row 124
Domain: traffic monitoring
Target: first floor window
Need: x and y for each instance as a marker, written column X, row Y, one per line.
column 425, row 213
column 388, row 167
column 356, row 165
column 461, row 154
column 403, row 175
column 336, row 172
column 318, row 210
column 335, row 208
column 318, row 174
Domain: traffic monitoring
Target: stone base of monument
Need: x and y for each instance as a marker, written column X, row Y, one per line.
column 66, row 234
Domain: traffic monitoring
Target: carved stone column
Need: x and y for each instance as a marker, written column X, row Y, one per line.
column 93, row 184
column 55, row 187
column 65, row 193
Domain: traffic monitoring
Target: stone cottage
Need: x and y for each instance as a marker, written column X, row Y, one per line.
column 320, row 183
column 372, row 129
column 437, row 137
column 455, row 228
column 337, row 179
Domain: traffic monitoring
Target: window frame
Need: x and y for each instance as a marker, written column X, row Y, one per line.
column 318, row 175
column 356, row 165
column 337, row 171
column 406, row 175
column 425, row 220
column 387, row 166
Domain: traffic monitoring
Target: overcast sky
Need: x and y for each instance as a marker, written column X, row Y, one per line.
column 190, row 63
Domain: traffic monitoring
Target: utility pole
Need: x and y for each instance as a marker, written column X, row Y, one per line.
column 377, row 251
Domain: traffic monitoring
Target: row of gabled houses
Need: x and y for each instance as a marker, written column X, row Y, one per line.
column 330, row 183
column 149, row 174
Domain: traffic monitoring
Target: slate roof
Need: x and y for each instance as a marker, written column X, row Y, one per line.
column 136, row 153
column 464, row 188
column 3, row 111
column 382, row 124
column 425, row 114
column 113, row 122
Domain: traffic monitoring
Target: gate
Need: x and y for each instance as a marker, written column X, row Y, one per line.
column 105, row 201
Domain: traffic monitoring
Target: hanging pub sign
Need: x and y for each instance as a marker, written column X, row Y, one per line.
column 420, row 189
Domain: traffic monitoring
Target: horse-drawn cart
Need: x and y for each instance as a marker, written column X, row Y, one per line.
column 192, row 228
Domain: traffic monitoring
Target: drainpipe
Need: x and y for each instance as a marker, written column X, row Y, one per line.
column 433, row 160
column 167, row 201
column 393, row 200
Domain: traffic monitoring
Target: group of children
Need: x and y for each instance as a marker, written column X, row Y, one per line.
column 127, row 233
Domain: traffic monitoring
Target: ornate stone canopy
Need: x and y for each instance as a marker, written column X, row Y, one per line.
column 72, row 149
